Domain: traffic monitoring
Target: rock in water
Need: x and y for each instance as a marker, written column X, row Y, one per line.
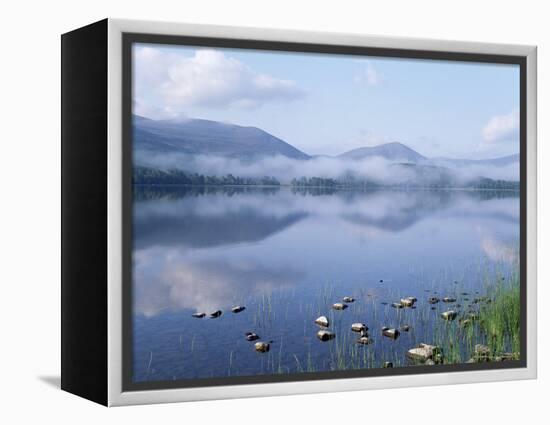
column 238, row 309
column 216, row 314
column 482, row 353
column 423, row 352
column 359, row 327
column 397, row 305
column 408, row 302
column 464, row 322
column 364, row 340
column 390, row 333
column 504, row 357
column 339, row 306
column 449, row 315
column 262, row 347
column 405, row 328
column 322, row 321
column 387, row 364
column 348, row 299
column 251, row 336
column 325, row 335
column 198, row 315
column 449, row 300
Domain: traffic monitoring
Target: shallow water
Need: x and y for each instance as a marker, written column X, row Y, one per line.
column 288, row 256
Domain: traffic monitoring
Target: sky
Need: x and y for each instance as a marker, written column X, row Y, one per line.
column 329, row 104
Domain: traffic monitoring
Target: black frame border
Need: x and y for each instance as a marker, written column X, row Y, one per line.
column 128, row 39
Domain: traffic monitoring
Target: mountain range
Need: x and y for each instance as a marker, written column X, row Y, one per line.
column 205, row 137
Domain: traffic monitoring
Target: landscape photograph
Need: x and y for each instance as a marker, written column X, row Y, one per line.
column 302, row 213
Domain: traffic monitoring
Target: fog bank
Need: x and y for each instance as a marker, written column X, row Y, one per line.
column 376, row 169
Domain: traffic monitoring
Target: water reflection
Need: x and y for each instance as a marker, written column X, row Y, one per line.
column 275, row 250
column 168, row 280
column 178, row 230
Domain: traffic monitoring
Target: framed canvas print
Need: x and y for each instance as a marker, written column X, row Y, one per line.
column 260, row 212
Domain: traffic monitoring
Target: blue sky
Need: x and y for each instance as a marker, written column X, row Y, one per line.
column 329, row 104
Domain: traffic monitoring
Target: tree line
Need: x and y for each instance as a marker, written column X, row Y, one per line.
column 151, row 176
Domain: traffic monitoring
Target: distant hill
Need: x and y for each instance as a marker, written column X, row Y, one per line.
column 399, row 153
column 392, row 151
column 196, row 136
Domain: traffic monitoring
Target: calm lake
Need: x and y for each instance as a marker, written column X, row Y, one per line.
column 287, row 256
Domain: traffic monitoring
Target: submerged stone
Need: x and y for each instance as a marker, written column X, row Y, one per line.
column 504, row 357
column 405, row 328
column 408, row 302
column 387, row 364
column 482, row 353
column 216, row 314
column 359, row 327
column 322, row 321
column 397, row 305
column 262, row 347
column 251, row 336
column 348, row 299
column 198, row 315
column 481, row 349
column 238, row 309
column 339, row 306
column 325, row 335
column 449, row 300
column 449, row 315
column 364, row 340
column 465, row 322
column 390, row 333
column 433, row 300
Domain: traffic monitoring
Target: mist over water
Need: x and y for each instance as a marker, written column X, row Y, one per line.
column 376, row 169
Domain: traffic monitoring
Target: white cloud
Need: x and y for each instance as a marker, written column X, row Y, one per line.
column 369, row 75
column 502, row 128
column 166, row 83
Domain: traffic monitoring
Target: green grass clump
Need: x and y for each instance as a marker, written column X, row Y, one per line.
column 500, row 319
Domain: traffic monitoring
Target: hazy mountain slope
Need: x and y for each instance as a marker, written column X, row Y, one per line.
column 392, row 151
column 195, row 136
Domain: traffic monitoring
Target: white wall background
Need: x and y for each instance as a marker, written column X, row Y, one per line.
column 30, row 223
